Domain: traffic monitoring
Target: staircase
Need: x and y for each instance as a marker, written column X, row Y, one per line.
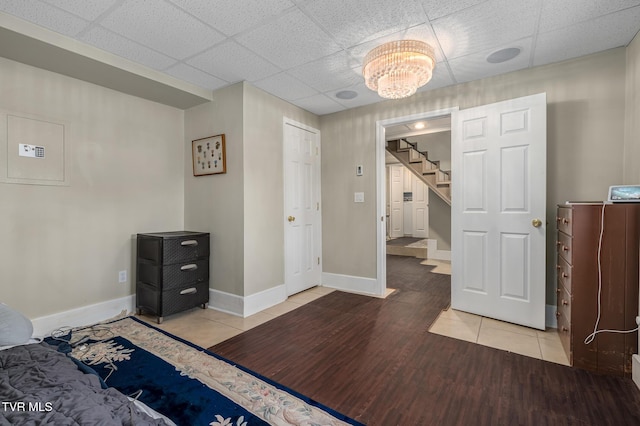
column 439, row 181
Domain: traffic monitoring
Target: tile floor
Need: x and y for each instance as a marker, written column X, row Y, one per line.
column 526, row 341
column 191, row 325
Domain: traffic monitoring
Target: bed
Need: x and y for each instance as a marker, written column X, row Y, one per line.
column 127, row 372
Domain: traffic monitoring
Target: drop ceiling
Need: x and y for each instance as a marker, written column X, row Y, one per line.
column 306, row 51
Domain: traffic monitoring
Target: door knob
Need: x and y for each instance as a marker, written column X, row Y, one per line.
column 536, row 223
column 291, row 218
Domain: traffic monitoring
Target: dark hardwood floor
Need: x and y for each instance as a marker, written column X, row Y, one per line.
column 373, row 360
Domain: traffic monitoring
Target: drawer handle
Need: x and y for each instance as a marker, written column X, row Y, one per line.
column 564, row 302
column 565, row 248
column 565, row 275
column 189, row 243
column 558, row 314
column 565, row 329
column 191, row 290
column 189, row 267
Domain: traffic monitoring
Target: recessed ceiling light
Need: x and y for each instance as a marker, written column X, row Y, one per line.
column 503, row 55
column 346, row 94
column 419, row 126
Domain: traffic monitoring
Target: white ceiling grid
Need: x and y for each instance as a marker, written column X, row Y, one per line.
column 306, row 51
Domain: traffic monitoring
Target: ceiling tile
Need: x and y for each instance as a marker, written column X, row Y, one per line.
column 163, row 27
column 441, row 78
column 352, row 22
column 232, row 62
column 319, row 104
column 419, row 32
column 44, row 15
column 613, row 30
column 306, row 51
column 233, row 17
column 438, row 8
column 475, row 66
column 486, row 26
column 285, row 87
column 558, row 14
column 195, row 76
column 106, row 40
column 87, row 9
column 365, row 96
column 329, row 73
column 291, row 40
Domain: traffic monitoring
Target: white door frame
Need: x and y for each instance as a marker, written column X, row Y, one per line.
column 381, row 229
column 318, row 188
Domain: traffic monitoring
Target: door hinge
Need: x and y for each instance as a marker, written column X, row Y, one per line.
column 317, row 150
column 317, row 206
column 318, row 260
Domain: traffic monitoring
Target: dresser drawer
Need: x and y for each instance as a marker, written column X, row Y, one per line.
column 564, row 220
column 564, row 244
column 173, row 247
column 186, row 297
column 564, row 273
column 564, row 332
column 185, row 248
column 174, row 275
column 564, row 304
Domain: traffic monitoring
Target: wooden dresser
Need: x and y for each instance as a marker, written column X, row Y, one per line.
column 579, row 226
column 172, row 272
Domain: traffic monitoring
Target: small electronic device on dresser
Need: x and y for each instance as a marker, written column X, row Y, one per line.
column 172, row 272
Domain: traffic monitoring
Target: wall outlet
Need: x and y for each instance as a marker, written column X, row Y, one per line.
column 122, row 276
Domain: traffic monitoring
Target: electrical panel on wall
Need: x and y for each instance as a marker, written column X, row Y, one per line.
column 36, row 149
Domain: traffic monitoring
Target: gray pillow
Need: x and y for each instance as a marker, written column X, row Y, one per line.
column 15, row 328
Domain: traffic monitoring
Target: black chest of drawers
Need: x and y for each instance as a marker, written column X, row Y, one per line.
column 172, row 272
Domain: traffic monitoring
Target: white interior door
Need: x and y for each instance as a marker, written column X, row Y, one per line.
column 498, row 210
column 396, row 192
column 420, row 208
column 302, row 238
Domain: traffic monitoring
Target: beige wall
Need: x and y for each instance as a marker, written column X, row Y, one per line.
column 585, row 137
column 632, row 116
column 264, row 186
column 244, row 208
column 214, row 203
column 62, row 246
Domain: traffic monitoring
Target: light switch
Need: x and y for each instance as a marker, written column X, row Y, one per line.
column 358, row 197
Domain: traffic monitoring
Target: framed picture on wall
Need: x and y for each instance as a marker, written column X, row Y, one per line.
column 209, row 156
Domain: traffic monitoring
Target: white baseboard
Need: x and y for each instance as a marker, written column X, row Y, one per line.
column 86, row 315
column 351, row 284
column 249, row 305
column 551, row 321
column 635, row 369
column 434, row 253
column 265, row 299
column 226, row 302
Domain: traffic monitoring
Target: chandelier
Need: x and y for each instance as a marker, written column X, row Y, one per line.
column 396, row 69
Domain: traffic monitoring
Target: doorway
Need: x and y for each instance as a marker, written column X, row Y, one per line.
column 382, row 128
column 498, row 231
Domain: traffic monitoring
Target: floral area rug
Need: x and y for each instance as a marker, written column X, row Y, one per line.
column 187, row 383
